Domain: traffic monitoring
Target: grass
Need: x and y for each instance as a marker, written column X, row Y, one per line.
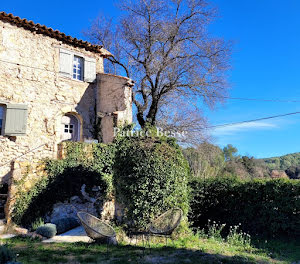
column 191, row 249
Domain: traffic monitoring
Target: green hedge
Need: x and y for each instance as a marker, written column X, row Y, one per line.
column 263, row 207
column 151, row 176
column 89, row 164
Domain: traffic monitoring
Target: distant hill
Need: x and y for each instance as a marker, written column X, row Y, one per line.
column 284, row 162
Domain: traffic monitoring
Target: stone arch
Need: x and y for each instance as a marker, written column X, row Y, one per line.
column 71, row 127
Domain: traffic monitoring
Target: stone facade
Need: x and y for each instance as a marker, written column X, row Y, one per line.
column 117, row 110
column 30, row 75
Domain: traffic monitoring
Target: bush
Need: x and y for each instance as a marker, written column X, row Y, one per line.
column 6, row 255
column 264, row 207
column 151, row 176
column 65, row 224
column 89, row 164
column 47, row 230
column 147, row 175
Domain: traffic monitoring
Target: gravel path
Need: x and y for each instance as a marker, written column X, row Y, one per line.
column 75, row 235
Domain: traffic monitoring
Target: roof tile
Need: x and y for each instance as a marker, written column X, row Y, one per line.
column 47, row 31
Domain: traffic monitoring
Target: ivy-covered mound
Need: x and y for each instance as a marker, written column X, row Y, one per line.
column 147, row 175
column 261, row 207
column 89, row 164
column 151, row 176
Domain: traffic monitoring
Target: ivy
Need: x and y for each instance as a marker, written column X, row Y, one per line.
column 89, row 164
column 147, row 175
column 151, row 176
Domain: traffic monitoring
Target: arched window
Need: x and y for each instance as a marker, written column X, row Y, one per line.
column 70, row 127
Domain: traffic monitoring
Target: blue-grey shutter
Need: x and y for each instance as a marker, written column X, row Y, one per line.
column 15, row 120
column 89, row 69
column 65, row 62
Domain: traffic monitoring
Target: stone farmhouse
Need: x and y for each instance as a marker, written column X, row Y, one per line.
column 53, row 88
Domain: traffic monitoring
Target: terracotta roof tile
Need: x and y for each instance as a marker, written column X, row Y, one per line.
column 42, row 29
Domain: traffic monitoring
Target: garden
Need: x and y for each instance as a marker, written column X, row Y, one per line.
column 225, row 219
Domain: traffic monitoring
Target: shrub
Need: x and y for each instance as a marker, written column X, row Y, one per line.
column 65, row 224
column 6, row 255
column 265, row 207
column 147, row 175
column 89, row 164
column 151, row 176
column 47, row 230
column 37, row 223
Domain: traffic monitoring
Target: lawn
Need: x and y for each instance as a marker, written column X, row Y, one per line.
column 192, row 249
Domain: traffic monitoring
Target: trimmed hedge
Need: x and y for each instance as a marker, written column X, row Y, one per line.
column 151, row 176
column 263, row 207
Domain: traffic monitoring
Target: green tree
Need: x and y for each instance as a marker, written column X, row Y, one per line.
column 230, row 152
column 205, row 161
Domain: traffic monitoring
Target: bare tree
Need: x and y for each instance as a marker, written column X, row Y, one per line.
column 165, row 48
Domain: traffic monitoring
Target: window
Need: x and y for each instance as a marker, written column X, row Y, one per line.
column 70, row 128
column 13, row 119
column 78, row 68
column 1, row 119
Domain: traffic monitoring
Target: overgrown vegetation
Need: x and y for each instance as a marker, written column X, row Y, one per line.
column 151, row 176
column 208, row 160
column 283, row 162
column 289, row 163
column 261, row 207
column 89, row 164
column 147, row 175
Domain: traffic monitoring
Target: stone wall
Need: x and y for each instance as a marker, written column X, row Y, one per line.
column 29, row 74
column 25, row 174
column 118, row 109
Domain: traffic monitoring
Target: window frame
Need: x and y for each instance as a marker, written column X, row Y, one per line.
column 79, row 60
column 66, row 66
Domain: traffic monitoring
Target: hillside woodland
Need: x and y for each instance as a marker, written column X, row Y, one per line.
column 208, row 160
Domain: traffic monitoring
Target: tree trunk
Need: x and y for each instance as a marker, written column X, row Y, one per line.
column 151, row 116
column 140, row 119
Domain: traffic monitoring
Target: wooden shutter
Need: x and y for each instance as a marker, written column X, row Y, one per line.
column 15, row 120
column 65, row 62
column 89, row 69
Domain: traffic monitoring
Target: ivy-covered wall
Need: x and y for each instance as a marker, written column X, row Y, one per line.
column 35, row 189
column 144, row 176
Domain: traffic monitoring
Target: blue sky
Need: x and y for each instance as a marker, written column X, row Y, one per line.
column 265, row 64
